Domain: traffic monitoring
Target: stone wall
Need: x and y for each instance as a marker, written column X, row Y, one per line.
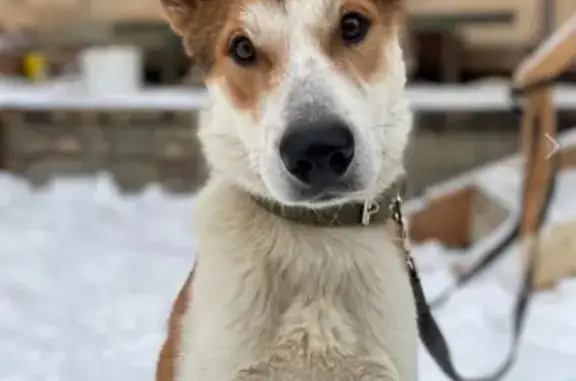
column 137, row 147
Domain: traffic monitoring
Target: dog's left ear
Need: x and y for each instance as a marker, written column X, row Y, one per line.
column 180, row 13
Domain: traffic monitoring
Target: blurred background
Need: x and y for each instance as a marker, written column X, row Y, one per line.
column 99, row 163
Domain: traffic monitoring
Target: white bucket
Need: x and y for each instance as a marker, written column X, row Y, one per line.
column 111, row 69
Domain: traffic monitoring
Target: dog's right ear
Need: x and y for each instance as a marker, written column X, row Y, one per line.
column 179, row 13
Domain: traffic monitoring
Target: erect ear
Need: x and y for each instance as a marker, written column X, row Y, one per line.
column 179, row 13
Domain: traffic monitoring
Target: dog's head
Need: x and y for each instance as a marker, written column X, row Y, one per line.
column 306, row 97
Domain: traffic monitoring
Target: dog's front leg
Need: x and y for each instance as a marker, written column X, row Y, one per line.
column 167, row 361
column 222, row 330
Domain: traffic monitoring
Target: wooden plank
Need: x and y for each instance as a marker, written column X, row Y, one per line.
column 486, row 215
column 443, row 21
column 420, row 21
column 557, row 258
column 421, row 15
column 568, row 158
column 564, row 9
column 519, row 34
column 458, row 6
column 539, row 124
column 552, row 264
column 448, row 24
column 551, row 58
column 541, row 111
column 446, row 218
column 43, row 14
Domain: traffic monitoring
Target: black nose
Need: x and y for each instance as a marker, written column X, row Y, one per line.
column 317, row 153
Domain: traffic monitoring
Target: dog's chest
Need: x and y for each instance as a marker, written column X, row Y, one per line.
column 340, row 299
column 331, row 321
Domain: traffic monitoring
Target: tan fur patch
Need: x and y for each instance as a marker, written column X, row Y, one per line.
column 207, row 28
column 245, row 85
column 366, row 60
column 166, row 365
column 200, row 23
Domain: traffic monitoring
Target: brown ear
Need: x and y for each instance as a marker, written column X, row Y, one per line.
column 179, row 13
column 198, row 23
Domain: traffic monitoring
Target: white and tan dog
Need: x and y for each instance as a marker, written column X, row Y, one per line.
column 307, row 110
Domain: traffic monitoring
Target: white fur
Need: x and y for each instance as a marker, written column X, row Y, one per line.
column 273, row 300
column 377, row 112
column 264, row 286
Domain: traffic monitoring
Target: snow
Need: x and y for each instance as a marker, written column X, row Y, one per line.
column 477, row 320
column 70, row 93
column 88, row 275
column 86, row 279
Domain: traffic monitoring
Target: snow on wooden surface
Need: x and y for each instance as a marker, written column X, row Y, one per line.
column 484, row 96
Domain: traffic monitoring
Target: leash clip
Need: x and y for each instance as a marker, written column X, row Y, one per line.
column 398, row 217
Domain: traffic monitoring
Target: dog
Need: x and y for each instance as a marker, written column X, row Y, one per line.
column 297, row 276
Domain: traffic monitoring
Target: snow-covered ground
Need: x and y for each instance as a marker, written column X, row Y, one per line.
column 87, row 277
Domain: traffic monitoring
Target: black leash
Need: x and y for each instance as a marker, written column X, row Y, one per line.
column 430, row 333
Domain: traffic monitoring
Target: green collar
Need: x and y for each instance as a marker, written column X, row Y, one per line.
column 377, row 211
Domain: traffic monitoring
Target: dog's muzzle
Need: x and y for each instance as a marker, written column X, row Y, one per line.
column 318, row 153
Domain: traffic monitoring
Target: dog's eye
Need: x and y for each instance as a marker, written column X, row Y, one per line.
column 354, row 27
column 242, row 51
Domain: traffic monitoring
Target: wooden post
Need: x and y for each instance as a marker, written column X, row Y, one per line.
column 538, row 127
column 539, row 122
column 552, row 57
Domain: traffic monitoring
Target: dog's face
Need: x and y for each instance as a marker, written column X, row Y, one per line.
column 306, row 97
